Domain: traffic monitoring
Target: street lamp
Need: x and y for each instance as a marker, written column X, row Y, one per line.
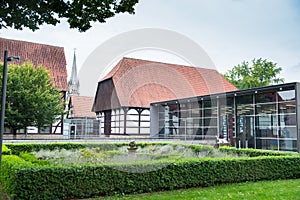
column 3, row 98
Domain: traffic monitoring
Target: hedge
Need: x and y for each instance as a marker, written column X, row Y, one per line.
column 254, row 152
column 5, row 150
column 24, row 180
column 17, row 148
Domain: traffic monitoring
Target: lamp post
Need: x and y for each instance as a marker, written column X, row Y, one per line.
column 3, row 98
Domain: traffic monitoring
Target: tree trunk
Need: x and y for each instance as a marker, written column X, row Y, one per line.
column 14, row 132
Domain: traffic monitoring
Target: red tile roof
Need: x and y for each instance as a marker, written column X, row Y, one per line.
column 50, row 57
column 82, row 106
column 137, row 83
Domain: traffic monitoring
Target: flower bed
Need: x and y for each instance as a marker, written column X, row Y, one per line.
column 33, row 180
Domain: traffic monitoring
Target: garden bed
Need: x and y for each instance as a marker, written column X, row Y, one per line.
column 25, row 176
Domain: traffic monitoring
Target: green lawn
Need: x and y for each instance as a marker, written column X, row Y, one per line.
column 267, row 190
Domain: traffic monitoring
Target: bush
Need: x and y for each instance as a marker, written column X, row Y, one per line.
column 253, row 152
column 11, row 164
column 30, row 147
column 24, row 180
column 5, row 150
column 25, row 177
column 32, row 159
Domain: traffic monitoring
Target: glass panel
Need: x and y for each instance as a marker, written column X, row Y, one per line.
column 265, row 97
column 288, row 132
column 287, row 107
column 266, row 108
column 286, row 95
column 245, row 121
column 246, row 99
column 288, row 145
column 287, row 119
column 226, row 119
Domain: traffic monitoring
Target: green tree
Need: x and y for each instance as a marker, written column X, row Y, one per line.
column 261, row 73
column 79, row 13
column 32, row 99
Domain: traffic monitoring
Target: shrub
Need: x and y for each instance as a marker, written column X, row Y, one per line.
column 30, row 147
column 5, row 150
column 253, row 152
column 26, row 177
column 11, row 164
column 28, row 181
column 32, row 159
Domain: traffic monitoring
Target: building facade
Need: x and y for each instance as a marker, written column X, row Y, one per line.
column 260, row 118
column 123, row 96
column 80, row 121
column 52, row 58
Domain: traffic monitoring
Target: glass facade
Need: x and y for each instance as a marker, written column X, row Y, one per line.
column 261, row 118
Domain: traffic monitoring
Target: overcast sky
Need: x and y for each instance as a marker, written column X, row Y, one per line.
column 230, row 31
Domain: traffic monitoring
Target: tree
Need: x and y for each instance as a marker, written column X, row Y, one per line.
column 261, row 73
column 79, row 13
column 32, row 99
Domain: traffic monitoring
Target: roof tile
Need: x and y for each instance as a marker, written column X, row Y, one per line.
column 50, row 57
column 138, row 83
column 82, row 106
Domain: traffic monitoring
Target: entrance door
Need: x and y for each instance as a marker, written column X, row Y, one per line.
column 245, row 131
column 227, row 129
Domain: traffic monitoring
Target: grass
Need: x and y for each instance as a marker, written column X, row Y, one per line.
column 263, row 190
column 266, row 190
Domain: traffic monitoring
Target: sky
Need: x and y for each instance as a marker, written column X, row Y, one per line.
column 230, row 31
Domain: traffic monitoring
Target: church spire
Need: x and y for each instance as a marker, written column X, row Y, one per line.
column 74, row 82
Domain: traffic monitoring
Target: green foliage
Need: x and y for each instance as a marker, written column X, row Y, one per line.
column 32, row 159
column 261, row 73
column 32, row 99
column 26, row 178
column 8, row 165
column 102, row 146
column 79, row 13
column 254, row 152
column 107, row 153
column 5, row 150
column 17, row 148
column 48, row 182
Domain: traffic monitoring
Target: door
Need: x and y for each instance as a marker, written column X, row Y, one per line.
column 245, row 131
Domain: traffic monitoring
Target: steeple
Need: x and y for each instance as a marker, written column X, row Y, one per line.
column 74, row 82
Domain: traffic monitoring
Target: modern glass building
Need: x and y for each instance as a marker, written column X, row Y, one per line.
column 260, row 118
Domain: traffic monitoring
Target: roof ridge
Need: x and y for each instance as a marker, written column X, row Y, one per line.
column 165, row 63
column 113, row 71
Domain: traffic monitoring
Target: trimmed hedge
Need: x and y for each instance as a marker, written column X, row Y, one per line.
column 24, row 180
column 30, row 147
column 254, row 152
column 25, row 177
column 9, row 164
column 17, row 148
column 5, row 150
